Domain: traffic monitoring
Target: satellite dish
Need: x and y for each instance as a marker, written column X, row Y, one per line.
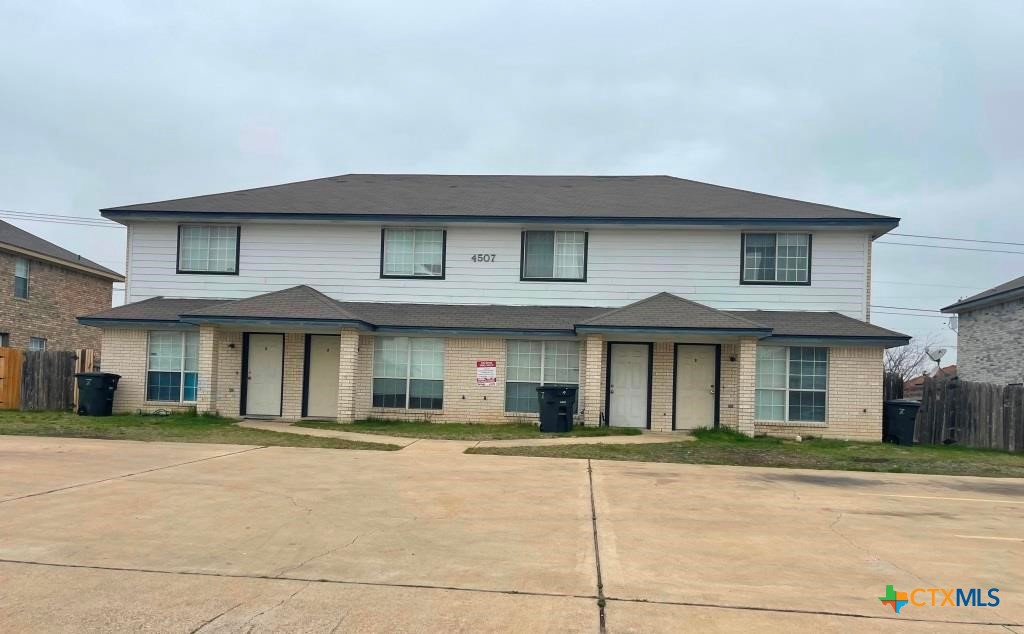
column 936, row 354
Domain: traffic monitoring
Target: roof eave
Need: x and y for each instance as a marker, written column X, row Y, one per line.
column 880, row 224
column 113, row 276
column 275, row 321
column 830, row 340
column 981, row 302
column 657, row 330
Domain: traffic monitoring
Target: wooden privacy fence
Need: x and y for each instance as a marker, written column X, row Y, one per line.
column 981, row 415
column 42, row 380
column 10, row 378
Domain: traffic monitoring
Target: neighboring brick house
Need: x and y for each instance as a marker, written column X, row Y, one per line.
column 914, row 388
column 671, row 304
column 44, row 288
column 990, row 334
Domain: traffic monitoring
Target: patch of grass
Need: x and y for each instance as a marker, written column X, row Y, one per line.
column 461, row 431
column 171, row 428
column 725, row 447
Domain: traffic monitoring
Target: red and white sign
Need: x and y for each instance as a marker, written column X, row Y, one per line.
column 486, row 373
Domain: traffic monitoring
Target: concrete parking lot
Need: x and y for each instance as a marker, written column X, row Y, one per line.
column 109, row 535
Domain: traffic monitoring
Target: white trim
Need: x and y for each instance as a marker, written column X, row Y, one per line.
column 786, row 390
column 181, row 371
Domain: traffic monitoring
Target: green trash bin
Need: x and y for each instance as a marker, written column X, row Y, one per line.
column 557, row 407
column 899, row 417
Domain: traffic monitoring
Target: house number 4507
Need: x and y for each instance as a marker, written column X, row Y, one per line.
column 483, row 257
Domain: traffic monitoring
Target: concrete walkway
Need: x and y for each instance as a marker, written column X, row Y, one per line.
column 418, row 445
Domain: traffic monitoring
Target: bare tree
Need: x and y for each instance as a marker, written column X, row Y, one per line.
column 904, row 363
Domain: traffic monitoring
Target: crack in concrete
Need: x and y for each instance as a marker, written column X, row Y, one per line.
column 867, row 551
column 349, row 582
column 852, row 615
column 601, row 616
column 340, row 621
column 315, row 557
column 214, row 618
column 251, row 620
column 128, row 475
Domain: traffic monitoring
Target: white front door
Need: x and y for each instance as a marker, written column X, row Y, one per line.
column 322, row 383
column 263, row 387
column 627, row 385
column 695, row 386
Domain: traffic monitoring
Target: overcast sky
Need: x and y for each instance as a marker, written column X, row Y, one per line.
column 912, row 109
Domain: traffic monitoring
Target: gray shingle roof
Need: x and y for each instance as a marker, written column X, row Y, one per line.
column 654, row 197
column 297, row 302
column 995, row 293
column 15, row 237
column 814, row 324
column 155, row 309
column 666, row 310
column 661, row 311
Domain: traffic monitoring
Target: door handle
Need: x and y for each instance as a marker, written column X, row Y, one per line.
column 611, row 389
column 250, row 377
column 712, row 390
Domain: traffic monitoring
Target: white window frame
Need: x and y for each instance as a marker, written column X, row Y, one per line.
column 746, row 277
column 37, row 344
column 543, row 368
column 22, row 262
column 408, row 372
column 181, row 370
column 183, row 228
column 416, row 236
column 786, row 391
column 558, row 237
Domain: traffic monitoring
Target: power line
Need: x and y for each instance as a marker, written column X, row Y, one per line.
column 940, row 246
column 884, row 312
column 915, row 235
column 58, row 218
column 927, row 310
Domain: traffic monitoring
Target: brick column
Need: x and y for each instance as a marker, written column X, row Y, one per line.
column 294, row 355
column 593, row 380
column 206, row 396
column 747, row 382
column 348, row 356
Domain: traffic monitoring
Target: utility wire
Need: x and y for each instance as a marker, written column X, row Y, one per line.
column 58, row 218
column 941, row 246
column 884, row 312
column 927, row 310
column 916, row 235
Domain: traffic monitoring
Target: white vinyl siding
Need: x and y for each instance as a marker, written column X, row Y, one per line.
column 792, row 384
column 208, row 249
column 624, row 265
column 413, row 252
column 530, row 364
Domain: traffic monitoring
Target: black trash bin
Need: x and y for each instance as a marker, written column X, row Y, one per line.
column 557, row 406
column 898, row 421
column 96, row 393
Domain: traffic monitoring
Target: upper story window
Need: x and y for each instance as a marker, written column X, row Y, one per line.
column 37, row 344
column 554, row 256
column 211, row 249
column 21, row 278
column 776, row 258
column 412, row 253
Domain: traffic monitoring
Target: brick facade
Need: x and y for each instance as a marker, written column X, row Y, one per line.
column 991, row 343
column 57, row 295
column 854, row 403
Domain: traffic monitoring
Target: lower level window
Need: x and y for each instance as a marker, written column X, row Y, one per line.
column 37, row 344
column 531, row 364
column 791, row 384
column 173, row 367
column 408, row 373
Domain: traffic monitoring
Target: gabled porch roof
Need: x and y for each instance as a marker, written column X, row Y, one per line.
column 659, row 315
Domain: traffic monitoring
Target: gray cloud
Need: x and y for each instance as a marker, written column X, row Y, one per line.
column 911, row 109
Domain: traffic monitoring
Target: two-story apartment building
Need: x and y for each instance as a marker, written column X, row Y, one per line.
column 44, row 288
column 672, row 304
